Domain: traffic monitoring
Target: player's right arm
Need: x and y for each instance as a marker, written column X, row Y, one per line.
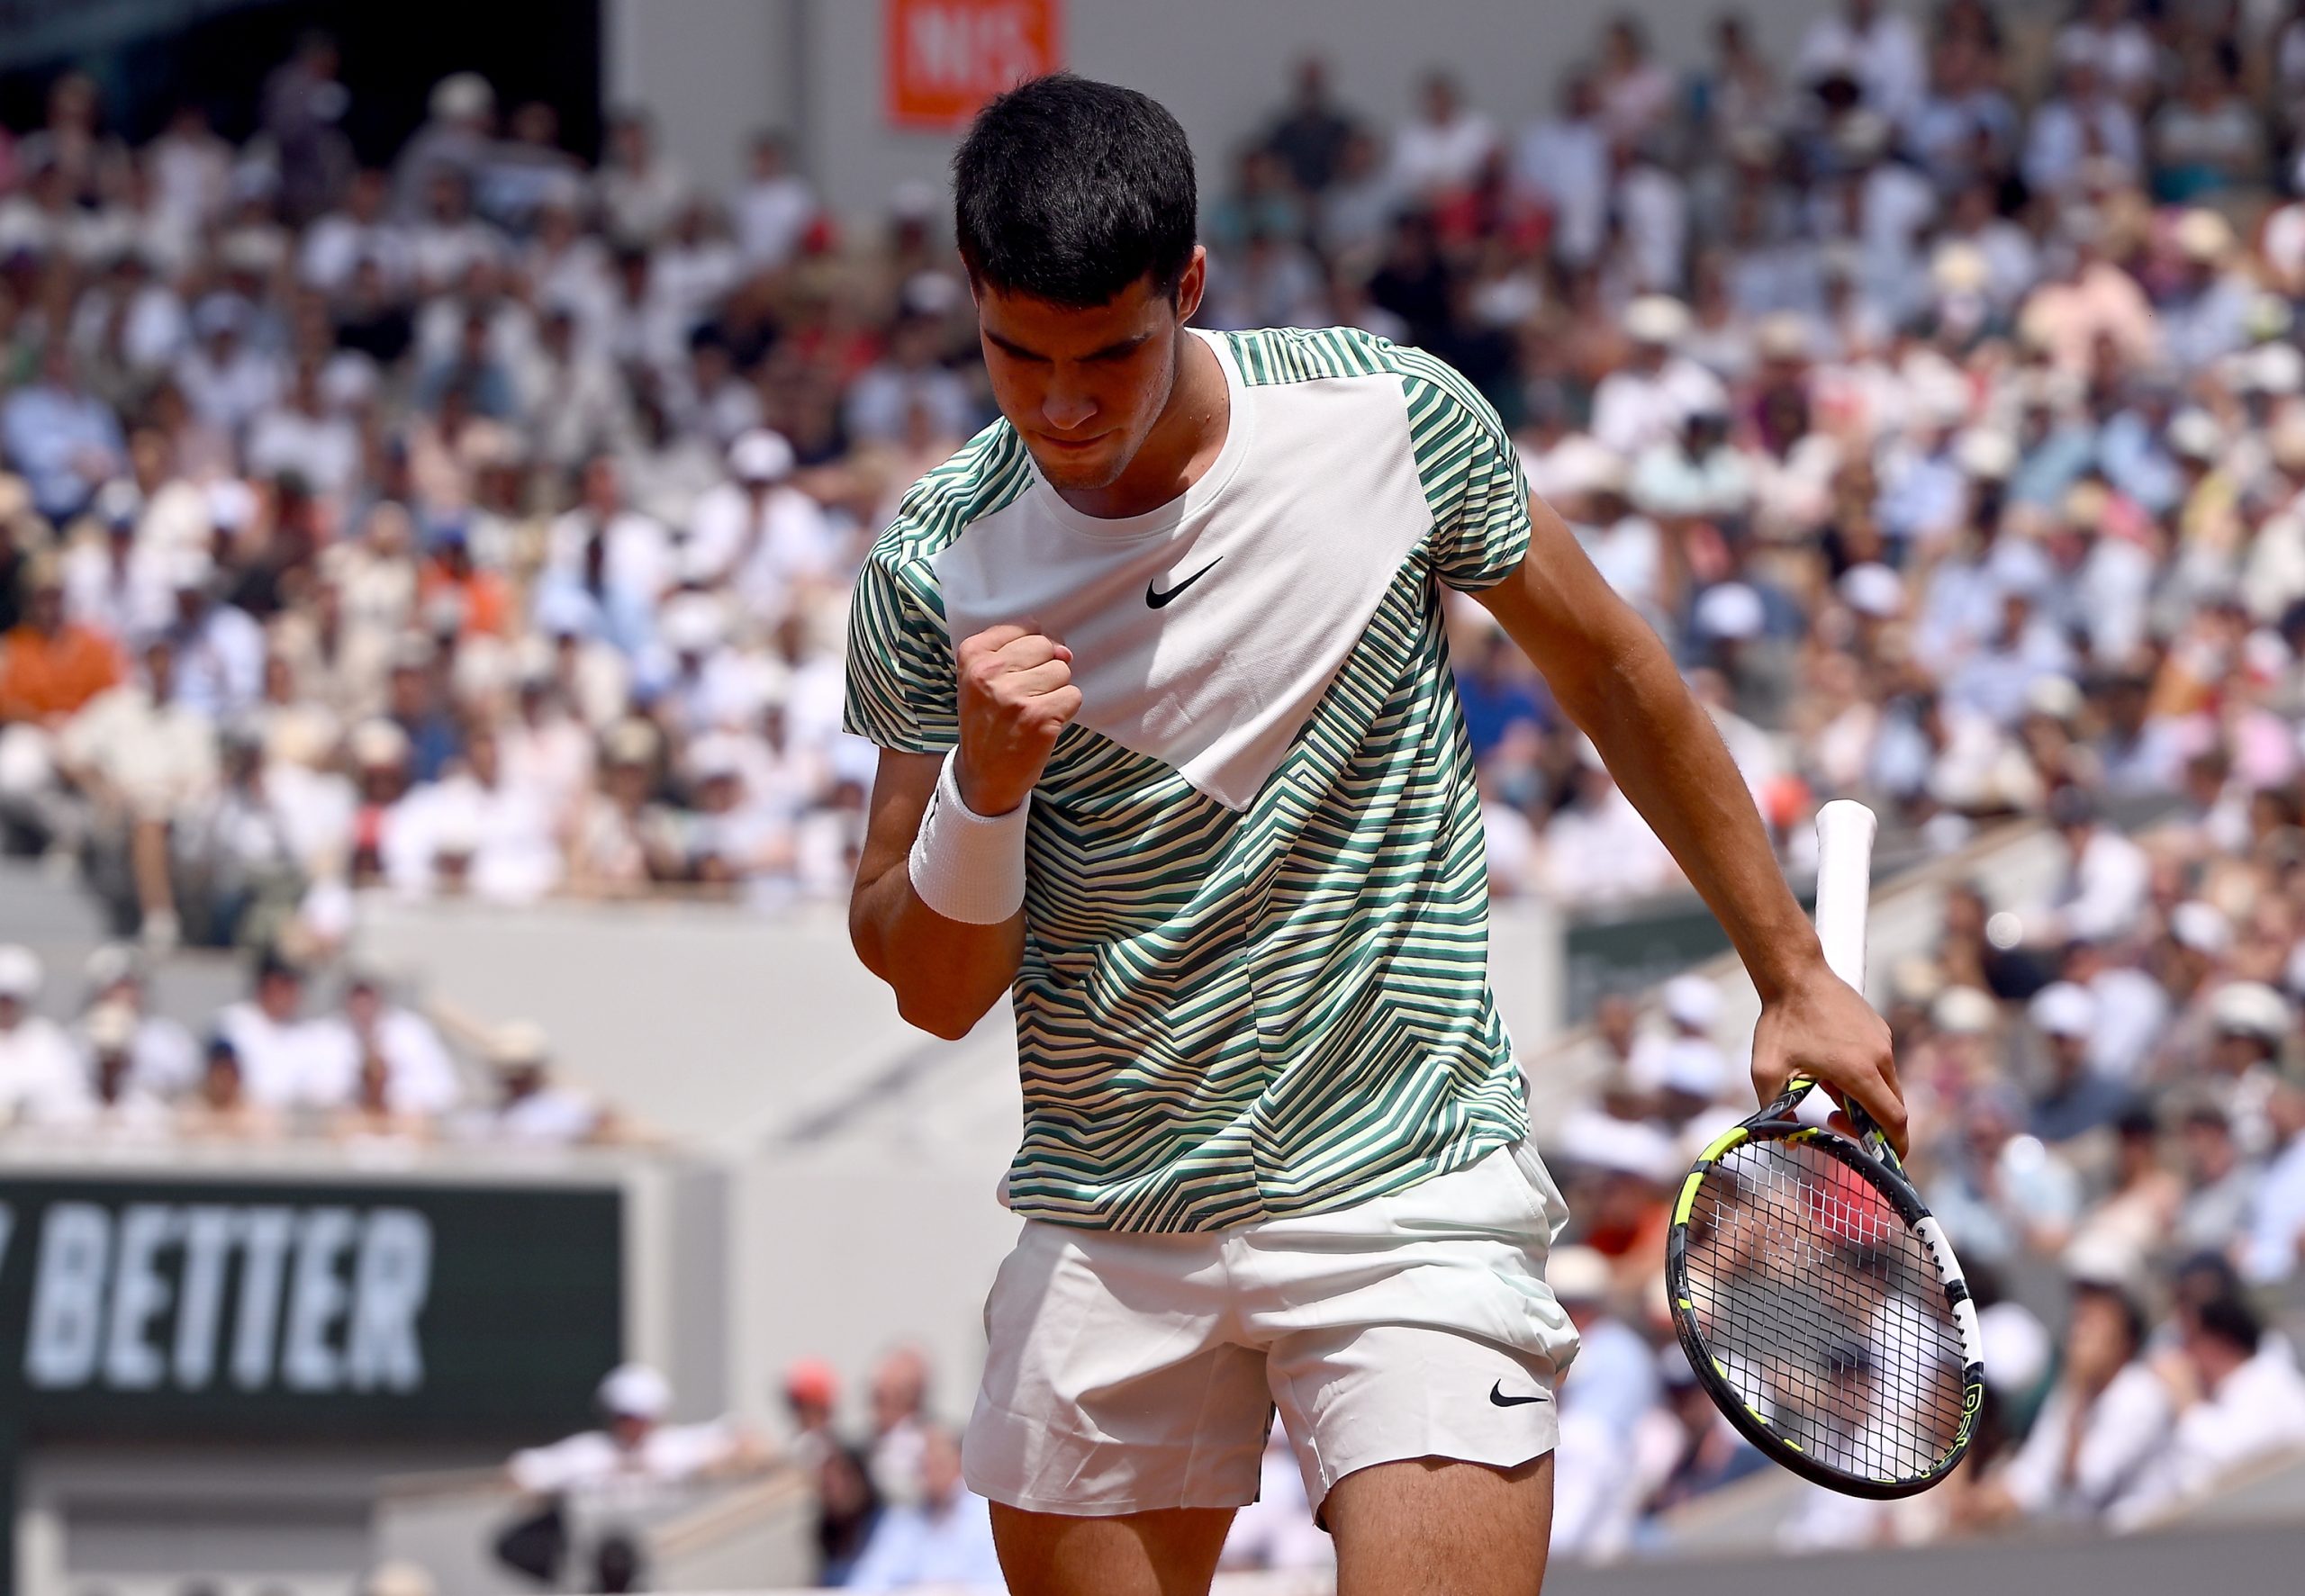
column 1012, row 695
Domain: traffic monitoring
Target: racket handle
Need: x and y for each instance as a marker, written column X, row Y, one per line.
column 1845, row 830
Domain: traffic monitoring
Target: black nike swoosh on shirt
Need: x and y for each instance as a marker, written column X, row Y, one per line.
column 1497, row 1394
column 1158, row 600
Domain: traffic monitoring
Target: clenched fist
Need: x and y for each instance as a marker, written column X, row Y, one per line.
column 1016, row 694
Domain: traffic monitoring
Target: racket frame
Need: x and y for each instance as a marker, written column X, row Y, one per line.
column 1776, row 1123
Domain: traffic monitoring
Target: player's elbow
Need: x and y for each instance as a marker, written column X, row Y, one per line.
column 939, row 1014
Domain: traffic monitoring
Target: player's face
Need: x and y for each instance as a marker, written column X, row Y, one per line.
column 1084, row 387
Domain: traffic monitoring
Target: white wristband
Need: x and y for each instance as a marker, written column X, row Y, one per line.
column 966, row 866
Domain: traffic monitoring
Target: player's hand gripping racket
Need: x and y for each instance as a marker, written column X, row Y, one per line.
column 1817, row 1299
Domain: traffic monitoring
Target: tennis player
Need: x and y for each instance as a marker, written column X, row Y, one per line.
column 1171, row 753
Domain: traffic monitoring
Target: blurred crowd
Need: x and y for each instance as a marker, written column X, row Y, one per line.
column 476, row 525
column 369, row 1070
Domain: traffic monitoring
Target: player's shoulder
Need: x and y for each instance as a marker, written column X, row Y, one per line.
column 985, row 473
column 1268, row 356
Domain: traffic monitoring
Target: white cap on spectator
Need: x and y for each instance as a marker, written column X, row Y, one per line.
column 232, row 503
column 760, row 455
column 1578, row 1274
column 378, row 744
column 110, row 1027
column 517, row 1044
column 931, row 294
column 188, row 569
column 2100, row 1258
column 2057, row 697
column 2250, row 1008
column 2202, row 927
column 1598, row 470
column 1872, row 589
column 1729, row 609
column 1656, row 318
column 1958, row 266
column 533, row 661
column 1782, row 335
column 714, row 755
column 1964, row 1011
column 631, row 741
column 348, row 381
column 636, row 1390
column 2063, row 1008
column 2193, row 435
column 2203, row 235
column 1693, row 1066
column 1987, row 454
column 2277, row 368
column 253, row 250
column 20, row 972
column 1622, row 1147
column 462, row 96
column 2017, row 1348
column 110, row 964
column 1691, row 1002
column 693, row 623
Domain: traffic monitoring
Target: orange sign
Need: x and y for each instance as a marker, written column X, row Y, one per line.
column 948, row 56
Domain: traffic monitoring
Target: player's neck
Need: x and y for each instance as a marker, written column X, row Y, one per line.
column 1182, row 448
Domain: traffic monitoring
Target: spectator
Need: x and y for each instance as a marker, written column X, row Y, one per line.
column 774, row 209
column 1686, row 1449
column 2073, row 1099
column 50, row 668
column 530, row 1108
column 943, row 1537
column 41, row 1079
column 2238, row 1399
column 2273, row 1250
column 115, row 1105
column 900, row 1427
column 66, row 441
column 1603, row 1397
column 222, row 1108
column 164, row 1062
column 811, row 1397
column 1440, row 152
column 286, row 1062
column 635, row 1459
column 418, row 1078
column 848, row 1515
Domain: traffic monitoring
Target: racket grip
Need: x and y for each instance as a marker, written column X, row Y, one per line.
column 1845, row 830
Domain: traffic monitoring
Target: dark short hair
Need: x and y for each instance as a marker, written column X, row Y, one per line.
column 1070, row 190
column 2228, row 1318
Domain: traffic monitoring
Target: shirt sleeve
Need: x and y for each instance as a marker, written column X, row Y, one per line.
column 1471, row 474
column 901, row 691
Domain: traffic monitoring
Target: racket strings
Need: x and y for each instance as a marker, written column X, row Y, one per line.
column 1825, row 1311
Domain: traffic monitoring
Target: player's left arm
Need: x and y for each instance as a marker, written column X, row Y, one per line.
column 1614, row 679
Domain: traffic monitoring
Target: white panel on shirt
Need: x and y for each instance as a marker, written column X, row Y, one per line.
column 1289, row 544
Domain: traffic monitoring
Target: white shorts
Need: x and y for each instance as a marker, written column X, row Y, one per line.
column 1133, row 1371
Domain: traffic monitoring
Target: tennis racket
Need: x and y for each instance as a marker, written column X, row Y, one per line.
column 1818, row 1301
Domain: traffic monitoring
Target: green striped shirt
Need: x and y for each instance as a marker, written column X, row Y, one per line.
column 1256, row 971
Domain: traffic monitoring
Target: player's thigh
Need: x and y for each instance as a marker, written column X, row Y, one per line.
column 1167, row 1552
column 1442, row 1527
